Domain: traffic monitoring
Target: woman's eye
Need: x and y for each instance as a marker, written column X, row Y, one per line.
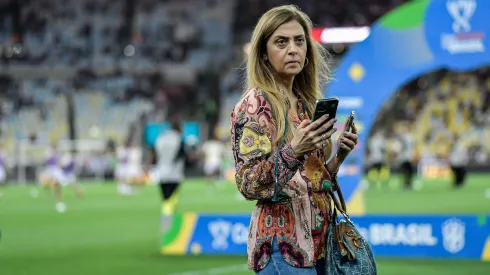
column 281, row 42
column 300, row 40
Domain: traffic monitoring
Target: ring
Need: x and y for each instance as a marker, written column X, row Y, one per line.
column 323, row 137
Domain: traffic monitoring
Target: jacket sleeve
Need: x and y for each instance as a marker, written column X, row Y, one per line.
column 257, row 162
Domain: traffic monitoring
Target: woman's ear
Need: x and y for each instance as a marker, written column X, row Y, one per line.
column 265, row 57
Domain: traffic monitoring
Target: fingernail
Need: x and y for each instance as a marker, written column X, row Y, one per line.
column 325, row 116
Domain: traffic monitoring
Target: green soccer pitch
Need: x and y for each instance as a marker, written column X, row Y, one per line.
column 108, row 234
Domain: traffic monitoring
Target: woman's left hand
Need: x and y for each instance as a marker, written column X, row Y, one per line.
column 346, row 142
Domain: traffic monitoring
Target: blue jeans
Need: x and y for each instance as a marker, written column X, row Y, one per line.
column 277, row 265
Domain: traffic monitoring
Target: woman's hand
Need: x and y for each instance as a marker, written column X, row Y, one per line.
column 346, row 143
column 312, row 135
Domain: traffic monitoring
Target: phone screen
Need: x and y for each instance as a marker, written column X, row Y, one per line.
column 326, row 106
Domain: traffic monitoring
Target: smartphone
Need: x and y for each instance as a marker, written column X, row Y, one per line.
column 350, row 121
column 326, row 106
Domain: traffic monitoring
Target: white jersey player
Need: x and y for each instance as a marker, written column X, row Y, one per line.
column 212, row 151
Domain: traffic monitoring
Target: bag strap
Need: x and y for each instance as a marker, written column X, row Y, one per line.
column 339, row 202
column 341, row 196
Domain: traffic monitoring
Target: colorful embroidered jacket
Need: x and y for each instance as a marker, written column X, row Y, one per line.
column 299, row 220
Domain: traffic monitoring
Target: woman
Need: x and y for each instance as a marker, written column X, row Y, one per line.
column 279, row 152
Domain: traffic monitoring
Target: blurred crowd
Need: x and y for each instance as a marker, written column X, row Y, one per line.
column 40, row 106
column 333, row 13
column 442, row 110
column 142, row 61
column 90, row 33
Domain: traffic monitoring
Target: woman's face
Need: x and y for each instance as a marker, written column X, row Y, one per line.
column 286, row 49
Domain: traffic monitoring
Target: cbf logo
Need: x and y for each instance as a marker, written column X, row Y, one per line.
column 453, row 235
column 463, row 40
column 461, row 11
column 222, row 231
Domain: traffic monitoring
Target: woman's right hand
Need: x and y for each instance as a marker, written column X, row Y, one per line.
column 312, row 135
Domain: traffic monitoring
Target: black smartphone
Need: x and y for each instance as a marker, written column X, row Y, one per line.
column 327, row 106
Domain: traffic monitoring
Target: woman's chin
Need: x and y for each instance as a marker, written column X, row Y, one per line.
column 291, row 72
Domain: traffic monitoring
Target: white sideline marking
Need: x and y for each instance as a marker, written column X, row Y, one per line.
column 216, row 270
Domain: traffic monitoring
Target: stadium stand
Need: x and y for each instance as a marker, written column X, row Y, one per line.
column 145, row 59
column 444, row 108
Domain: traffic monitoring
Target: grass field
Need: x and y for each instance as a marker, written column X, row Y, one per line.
column 108, row 234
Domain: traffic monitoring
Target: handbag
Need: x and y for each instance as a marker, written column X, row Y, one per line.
column 348, row 253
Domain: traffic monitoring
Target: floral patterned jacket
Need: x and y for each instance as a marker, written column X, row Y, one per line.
column 299, row 219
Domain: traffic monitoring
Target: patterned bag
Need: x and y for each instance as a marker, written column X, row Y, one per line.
column 348, row 253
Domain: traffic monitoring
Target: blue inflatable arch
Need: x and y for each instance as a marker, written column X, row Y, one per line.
column 419, row 37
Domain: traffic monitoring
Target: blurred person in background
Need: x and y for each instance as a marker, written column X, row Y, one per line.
column 280, row 154
column 51, row 171
column 121, row 174
column 65, row 176
column 51, row 177
column 212, row 151
column 379, row 172
column 458, row 160
column 406, row 155
column 3, row 167
column 110, row 158
column 68, row 174
column 134, row 174
column 170, row 165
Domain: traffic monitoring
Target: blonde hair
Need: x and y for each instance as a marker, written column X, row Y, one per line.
column 308, row 83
